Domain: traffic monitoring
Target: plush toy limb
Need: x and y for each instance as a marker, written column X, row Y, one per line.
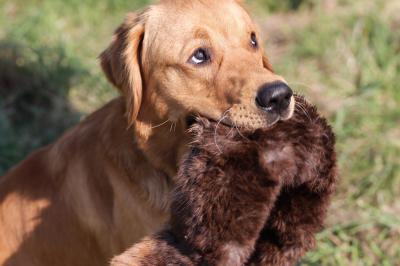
column 158, row 250
column 289, row 232
column 301, row 207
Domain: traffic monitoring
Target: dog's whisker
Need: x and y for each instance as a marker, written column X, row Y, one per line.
column 224, row 115
column 308, row 87
column 173, row 126
column 230, row 131
column 300, row 105
column 161, row 124
column 234, row 125
column 215, row 135
column 239, row 132
column 302, row 108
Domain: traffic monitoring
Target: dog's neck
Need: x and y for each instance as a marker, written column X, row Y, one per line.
column 162, row 141
column 147, row 153
column 161, row 144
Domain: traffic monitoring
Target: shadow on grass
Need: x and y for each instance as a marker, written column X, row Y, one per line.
column 34, row 107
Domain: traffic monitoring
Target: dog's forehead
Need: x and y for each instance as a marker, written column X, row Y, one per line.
column 224, row 16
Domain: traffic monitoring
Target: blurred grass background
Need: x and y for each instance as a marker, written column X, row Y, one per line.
column 343, row 55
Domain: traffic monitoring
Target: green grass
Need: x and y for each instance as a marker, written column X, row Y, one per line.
column 343, row 55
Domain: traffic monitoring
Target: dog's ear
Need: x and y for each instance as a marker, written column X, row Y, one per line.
column 121, row 62
column 266, row 63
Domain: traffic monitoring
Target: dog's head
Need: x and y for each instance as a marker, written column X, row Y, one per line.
column 180, row 58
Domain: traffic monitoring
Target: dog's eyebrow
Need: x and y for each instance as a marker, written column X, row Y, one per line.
column 201, row 33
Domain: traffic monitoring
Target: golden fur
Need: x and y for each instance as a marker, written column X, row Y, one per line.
column 105, row 184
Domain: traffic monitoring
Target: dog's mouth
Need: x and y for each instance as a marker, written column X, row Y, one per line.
column 191, row 120
column 227, row 122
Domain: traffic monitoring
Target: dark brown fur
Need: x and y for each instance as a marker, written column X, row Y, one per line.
column 227, row 186
column 300, row 209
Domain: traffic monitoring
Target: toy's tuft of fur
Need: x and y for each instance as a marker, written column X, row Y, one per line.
column 254, row 198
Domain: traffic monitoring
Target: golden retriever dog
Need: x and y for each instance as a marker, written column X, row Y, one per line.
column 105, row 183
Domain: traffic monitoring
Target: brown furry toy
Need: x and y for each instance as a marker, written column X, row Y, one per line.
column 246, row 198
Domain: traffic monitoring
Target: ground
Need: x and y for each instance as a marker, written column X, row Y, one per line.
column 343, row 55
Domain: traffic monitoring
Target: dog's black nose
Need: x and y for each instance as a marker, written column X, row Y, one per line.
column 274, row 97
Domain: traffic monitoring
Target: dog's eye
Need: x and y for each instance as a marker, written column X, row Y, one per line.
column 254, row 41
column 200, row 56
